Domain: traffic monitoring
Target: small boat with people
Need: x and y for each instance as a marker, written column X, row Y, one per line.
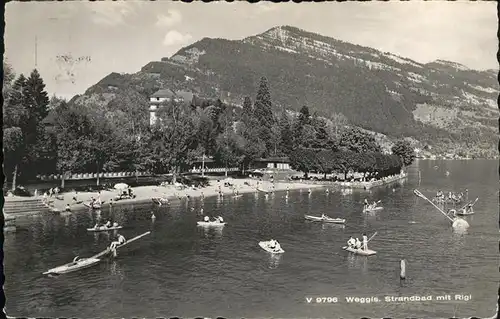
column 271, row 246
column 106, row 227
column 325, row 219
column 217, row 222
column 94, row 204
column 373, row 207
column 358, row 247
column 457, row 223
column 466, row 210
column 160, row 200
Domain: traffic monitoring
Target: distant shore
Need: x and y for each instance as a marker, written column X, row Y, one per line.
column 170, row 192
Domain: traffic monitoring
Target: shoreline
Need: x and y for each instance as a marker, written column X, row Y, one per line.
column 143, row 194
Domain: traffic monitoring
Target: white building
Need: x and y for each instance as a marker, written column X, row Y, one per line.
column 166, row 95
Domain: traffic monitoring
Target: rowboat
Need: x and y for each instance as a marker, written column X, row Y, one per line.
column 265, row 245
column 93, row 206
column 78, row 264
column 361, row 252
column 159, row 200
column 237, row 196
column 365, row 210
column 464, row 212
column 325, row 219
column 211, row 224
column 104, row 228
column 75, row 265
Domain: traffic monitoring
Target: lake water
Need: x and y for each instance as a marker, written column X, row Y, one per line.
column 181, row 270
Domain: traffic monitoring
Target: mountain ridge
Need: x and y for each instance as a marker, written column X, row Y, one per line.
column 440, row 102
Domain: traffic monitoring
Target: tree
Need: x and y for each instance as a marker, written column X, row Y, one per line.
column 359, row 142
column 13, row 150
column 286, row 135
column 304, row 160
column 247, row 110
column 263, row 113
column 173, row 138
column 404, row 150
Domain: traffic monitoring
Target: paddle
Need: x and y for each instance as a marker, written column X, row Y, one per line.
column 371, row 237
column 419, row 194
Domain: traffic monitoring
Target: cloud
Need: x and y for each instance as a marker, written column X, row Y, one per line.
column 172, row 18
column 175, row 37
column 111, row 13
column 266, row 7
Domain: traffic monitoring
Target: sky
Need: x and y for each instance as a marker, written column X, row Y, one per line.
column 79, row 43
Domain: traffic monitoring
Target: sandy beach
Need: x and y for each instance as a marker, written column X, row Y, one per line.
column 170, row 192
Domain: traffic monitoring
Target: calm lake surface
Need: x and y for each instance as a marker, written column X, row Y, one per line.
column 182, row 270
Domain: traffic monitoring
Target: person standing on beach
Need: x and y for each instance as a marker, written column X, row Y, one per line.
column 50, row 192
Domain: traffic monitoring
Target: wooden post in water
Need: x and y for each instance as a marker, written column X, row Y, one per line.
column 402, row 266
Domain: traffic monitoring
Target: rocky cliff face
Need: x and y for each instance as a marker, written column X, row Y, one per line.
column 440, row 102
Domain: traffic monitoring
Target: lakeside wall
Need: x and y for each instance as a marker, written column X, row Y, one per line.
column 358, row 185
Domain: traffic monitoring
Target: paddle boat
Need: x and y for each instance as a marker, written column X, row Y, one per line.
column 266, row 245
column 218, row 222
column 359, row 251
column 325, row 219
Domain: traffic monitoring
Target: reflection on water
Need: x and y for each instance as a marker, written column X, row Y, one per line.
column 329, row 226
column 274, row 260
column 116, row 269
column 212, row 232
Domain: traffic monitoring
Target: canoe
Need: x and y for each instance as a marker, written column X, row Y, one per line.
column 73, row 266
column 209, row 224
column 373, row 209
column 325, row 220
column 361, row 252
column 102, row 228
column 265, row 245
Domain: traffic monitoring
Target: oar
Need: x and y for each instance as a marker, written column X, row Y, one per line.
column 372, row 237
column 416, row 192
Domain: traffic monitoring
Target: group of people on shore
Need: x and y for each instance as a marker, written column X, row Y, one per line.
column 357, row 244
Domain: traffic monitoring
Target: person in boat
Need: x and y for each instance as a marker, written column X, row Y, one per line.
column 96, row 226
column 272, row 244
column 351, row 242
column 365, row 242
column 357, row 244
column 120, row 240
column 366, row 204
column 115, row 224
column 68, row 208
column 108, row 224
column 277, row 245
column 219, row 219
column 206, row 219
column 324, row 216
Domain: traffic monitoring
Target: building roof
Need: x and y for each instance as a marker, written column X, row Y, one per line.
column 283, row 159
column 185, row 95
column 163, row 93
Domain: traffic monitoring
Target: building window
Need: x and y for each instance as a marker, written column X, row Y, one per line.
column 157, row 98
